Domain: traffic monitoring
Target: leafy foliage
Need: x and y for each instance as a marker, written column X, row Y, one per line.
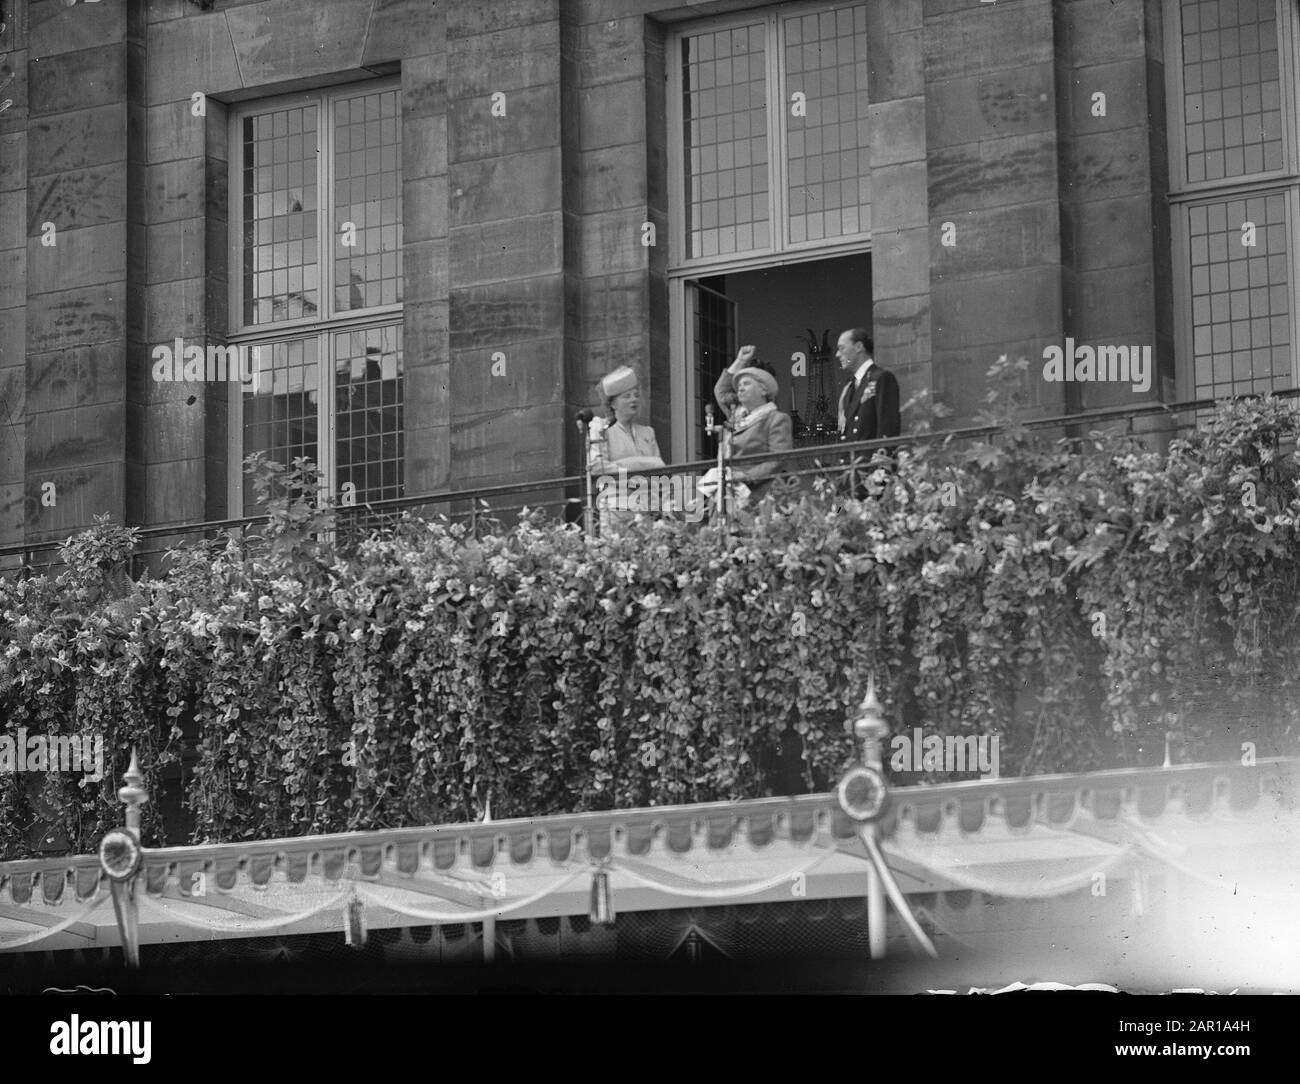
column 1080, row 599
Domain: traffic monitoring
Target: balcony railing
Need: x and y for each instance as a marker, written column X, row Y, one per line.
column 565, row 499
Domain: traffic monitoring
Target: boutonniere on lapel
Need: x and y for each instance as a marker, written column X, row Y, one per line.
column 869, row 392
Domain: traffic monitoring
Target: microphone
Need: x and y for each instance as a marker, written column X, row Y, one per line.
column 590, row 425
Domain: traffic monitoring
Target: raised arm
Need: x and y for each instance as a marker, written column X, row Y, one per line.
column 724, row 390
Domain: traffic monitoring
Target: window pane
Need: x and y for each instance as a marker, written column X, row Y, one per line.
column 825, row 60
column 279, row 412
column 1240, row 295
column 1230, row 88
column 724, row 119
column 713, row 324
column 279, row 212
column 368, row 403
column 367, row 211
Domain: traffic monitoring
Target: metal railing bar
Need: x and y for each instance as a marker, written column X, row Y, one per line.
column 845, row 453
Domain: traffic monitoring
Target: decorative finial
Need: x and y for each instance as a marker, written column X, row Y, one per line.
column 870, row 728
column 133, row 795
column 869, row 701
column 870, row 722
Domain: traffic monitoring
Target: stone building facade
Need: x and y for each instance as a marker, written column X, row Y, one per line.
column 419, row 232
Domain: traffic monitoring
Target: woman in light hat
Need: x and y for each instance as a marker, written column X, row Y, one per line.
column 619, row 444
column 623, row 443
column 747, row 396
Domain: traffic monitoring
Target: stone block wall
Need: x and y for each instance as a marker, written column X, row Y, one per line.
column 425, row 307
column 900, row 205
column 1006, row 216
column 13, row 274
column 83, row 112
column 1115, row 238
column 616, row 185
column 505, row 226
column 991, row 147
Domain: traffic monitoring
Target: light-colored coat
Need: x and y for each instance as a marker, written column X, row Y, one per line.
column 620, row 445
column 770, row 433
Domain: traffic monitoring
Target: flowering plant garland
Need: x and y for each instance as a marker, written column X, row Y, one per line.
column 1080, row 600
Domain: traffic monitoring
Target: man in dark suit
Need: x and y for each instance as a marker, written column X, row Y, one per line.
column 869, row 400
column 868, row 407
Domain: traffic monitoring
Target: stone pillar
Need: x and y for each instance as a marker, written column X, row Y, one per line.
column 13, row 274
column 84, row 144
column 992, row 182
column 1114, row 175
column 505, row 231
column 179, row 429
column 426, row 353
column 615, row 173
column 900, row 226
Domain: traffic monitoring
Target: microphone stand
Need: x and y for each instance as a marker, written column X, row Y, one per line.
column 724, row 456
column 592, row 433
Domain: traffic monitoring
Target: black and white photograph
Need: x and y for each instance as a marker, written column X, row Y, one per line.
column 608, row 500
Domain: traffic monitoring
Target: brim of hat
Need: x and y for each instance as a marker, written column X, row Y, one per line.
column 763, row 377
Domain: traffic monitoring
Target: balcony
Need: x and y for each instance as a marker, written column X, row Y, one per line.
column 1093, row 602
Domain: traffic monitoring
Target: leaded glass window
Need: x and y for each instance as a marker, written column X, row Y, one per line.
column 794, row 82
column 316, row 291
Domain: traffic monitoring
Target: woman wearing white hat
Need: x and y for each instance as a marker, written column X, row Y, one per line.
column 747, row 396
column 624, row 444
column 618, row 443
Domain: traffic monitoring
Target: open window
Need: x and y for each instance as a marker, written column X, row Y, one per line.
column 794, row 313
column 770, row 200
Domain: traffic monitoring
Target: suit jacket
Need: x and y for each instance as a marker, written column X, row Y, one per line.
column 872, row 410
column 771, row 433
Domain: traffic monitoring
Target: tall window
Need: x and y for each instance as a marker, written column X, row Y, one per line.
column 769, row 165
column 1233, row 150
column 794, row 82
column 316, row 286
